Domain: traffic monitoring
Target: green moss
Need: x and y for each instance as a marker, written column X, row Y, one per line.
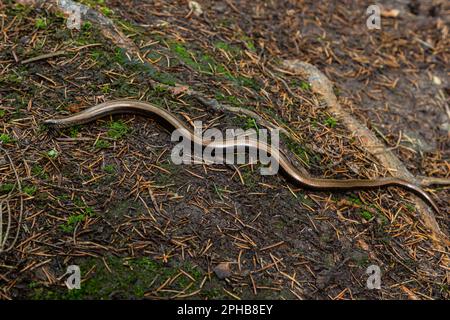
column 75, row 219
column 165, row 78
column 73, row 131
column 106, row 88
column 233, row 100
column 181, row 51
column 124, row 89
column 2, row 113
column 303, row 199
column 5, row 138
column 296, row 149
column 87, row 36
column 129, row 278
column 19, row 9
column 204, row 63
column 98, row 5
column 63, row 197
column 305, row 85
column 72, row 221
column 41, row 293
column 222, row 45
column 52, row 154
column 154, row 55
column 249, row 43
column 86, row 26
column 41, row 23
column 6, row 187
column 330, row 122
column 11, row 78
column 120, row 57
column 128, row 27
column 89, row 211
column 29, row 190
column 366, row 215
column 38, row 171
column 18, row 101
column 355, row 200
column 247, row 82
column 98, row 55
column 106, row 11
column 157, row 90
column 147, row 70
column 199, row 63
column 102, row 144
column 117, row 129
column 225, row 22
column 233, row 50
column 111, row 169
column 250, row 123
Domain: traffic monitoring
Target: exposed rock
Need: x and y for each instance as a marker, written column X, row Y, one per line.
column 223, row 270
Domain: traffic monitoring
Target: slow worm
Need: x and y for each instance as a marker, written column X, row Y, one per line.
column 138, row 107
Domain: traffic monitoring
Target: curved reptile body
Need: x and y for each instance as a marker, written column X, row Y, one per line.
column 138, row 107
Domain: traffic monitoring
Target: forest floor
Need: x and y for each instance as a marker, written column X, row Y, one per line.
column 107, row 197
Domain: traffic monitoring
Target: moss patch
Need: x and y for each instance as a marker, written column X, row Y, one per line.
column 126, row 279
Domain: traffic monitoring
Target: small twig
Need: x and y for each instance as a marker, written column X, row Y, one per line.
column 44, row 56
column 19, row 223
column 429, row 181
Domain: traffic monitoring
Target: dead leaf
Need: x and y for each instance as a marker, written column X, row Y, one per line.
column 179, row 89
column 223, row 270
column 74, row 108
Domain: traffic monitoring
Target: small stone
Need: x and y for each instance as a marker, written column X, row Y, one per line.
column 223, row 270
column 195, row 6
column 445, row 126
column 24, row 40
column 437, row 81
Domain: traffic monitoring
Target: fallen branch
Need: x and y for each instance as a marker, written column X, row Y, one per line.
column 322, row 86
column 44, row 56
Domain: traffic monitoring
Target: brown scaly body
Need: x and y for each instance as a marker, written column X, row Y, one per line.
column 138, row 107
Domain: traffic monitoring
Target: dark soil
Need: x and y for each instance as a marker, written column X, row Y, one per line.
column 107, row 197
